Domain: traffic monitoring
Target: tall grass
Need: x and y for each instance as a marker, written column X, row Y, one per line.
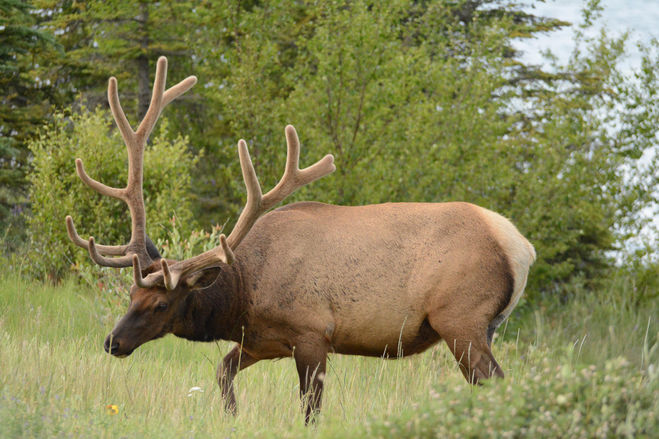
column 56, row 381
column 593, row 326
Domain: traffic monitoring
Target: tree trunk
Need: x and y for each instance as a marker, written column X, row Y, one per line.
column 143, row 89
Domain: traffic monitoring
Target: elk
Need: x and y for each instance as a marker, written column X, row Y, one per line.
column 309, row 279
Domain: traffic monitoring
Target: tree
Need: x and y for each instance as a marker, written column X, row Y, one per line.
column 418, row 100
column 425, row 101
column 23, row 102
column 105, row 38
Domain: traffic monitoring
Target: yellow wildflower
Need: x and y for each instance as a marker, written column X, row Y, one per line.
column 111, row 409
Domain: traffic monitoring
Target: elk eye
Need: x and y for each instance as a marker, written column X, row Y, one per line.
column 161, row 306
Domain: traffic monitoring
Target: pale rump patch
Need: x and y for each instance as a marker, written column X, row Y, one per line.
column 518, row 250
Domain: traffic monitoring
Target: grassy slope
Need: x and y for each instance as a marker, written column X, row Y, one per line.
column 55, row 380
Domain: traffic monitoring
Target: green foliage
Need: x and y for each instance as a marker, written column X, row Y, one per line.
column 424, row 102
column 430, row 134
column 418, row 101
column 57, row 191
column 552, row 401
column 100, row 35
column 179, row 247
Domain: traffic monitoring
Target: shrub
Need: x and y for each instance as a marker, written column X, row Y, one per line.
column 56, row 190
column 555, row 401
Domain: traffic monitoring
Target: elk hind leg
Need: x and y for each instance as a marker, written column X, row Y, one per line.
column 235, row 361
column 469, row 344
column 474, row 357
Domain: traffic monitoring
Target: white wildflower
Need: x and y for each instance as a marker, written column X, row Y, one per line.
column 195, row 389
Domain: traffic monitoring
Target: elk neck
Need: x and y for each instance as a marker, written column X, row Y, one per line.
column 217, row 312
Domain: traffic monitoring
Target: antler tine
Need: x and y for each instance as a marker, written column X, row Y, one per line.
column 160, row 98
column 156, row 105
column 254, row 203
column 178, row 89
column 294, row 177
column 120, row 262
column 125, row 129
column 109, row 250
column 254, row 194
column 142, row 282
column 137, row 272
column 170, row 280
column 229, row 258
column 257, row 204
column 96, row 185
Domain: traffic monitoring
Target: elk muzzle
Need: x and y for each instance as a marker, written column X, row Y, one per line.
column 114, row 346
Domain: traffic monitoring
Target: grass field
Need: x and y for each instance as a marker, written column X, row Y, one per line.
column 585, row 369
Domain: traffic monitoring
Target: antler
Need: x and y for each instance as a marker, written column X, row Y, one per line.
column 257, row 204
column 132, row 195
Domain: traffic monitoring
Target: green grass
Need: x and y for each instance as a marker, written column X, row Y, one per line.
column 587, row 368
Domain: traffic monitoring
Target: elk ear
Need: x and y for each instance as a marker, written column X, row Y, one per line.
column 152, row 250
column 203, row 278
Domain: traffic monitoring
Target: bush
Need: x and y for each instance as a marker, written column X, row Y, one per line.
column 557, row 401
column 56, row 190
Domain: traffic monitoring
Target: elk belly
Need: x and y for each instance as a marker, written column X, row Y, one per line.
column 384, row 336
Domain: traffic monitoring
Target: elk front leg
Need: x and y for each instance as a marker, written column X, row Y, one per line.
column 235, row 361
column 310, row 360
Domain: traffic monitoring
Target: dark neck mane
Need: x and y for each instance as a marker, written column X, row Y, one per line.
column 216, row 312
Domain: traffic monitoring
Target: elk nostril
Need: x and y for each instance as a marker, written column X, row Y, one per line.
column 110, row 349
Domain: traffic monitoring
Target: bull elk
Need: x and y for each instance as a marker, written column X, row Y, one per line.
column 309, row 279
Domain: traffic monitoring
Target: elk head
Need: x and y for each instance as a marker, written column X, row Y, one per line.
column 161, row 287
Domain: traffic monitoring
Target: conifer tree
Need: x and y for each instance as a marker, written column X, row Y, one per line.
column 23, row 101
column 103, row 38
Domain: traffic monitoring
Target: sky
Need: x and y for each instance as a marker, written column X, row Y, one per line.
column 640, row 17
